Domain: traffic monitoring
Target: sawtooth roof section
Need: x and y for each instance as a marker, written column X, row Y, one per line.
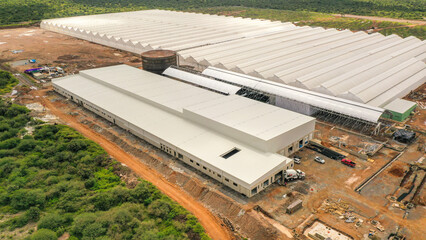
column 159, row 29
column 339, row 105
column 336, row 63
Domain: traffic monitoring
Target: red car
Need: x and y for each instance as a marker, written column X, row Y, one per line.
column 348, row 162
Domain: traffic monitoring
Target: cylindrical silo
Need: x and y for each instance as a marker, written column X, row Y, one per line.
column 157, row 61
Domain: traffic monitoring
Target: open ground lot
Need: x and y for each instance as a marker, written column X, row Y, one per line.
column 328, row 192
column 53, row 49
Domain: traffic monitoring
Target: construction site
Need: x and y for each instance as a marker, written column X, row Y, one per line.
column 323, row 137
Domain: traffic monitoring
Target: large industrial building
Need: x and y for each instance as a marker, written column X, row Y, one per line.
column 366, row 68
column 238, row 141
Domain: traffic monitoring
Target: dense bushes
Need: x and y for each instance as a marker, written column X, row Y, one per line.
column 66, row 183
column 13, row 11
column 7, row 80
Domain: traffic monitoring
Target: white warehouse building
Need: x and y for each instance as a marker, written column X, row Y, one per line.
column 240, row 142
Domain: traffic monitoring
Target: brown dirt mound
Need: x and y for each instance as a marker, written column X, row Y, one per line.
column 397, row 172
column 68, row 57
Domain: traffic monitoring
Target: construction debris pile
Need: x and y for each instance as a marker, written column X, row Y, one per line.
column 346, row 212
column 418, row 97
column 343, row 210
column 45, row 73
column 362, row 148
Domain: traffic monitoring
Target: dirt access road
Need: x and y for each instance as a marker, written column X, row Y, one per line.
column 415, row 22
column 211, row 224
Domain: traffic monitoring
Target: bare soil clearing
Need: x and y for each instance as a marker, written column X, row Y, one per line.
column 415, row 22
column 53, row 49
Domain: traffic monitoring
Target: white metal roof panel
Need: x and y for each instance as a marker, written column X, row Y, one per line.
column 399, row 105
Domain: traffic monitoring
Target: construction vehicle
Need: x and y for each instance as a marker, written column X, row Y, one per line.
column 291, row 174
column 348, row 162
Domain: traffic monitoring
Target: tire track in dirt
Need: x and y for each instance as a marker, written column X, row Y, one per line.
column 211, row 224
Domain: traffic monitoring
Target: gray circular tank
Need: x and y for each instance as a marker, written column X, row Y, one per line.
column 157, row 61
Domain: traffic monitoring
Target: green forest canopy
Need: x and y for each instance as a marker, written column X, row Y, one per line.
column 14, row 11
column 59, row 181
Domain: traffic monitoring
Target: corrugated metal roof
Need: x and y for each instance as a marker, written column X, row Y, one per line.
column 323, row 60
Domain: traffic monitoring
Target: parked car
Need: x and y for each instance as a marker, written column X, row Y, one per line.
column 348, row 162
column 297, row 159
column 320, row 160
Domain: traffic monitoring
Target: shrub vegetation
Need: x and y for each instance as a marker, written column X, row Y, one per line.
column 7, row 82
column 63, row 182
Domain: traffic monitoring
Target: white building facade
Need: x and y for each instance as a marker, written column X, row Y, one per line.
column 236, row 141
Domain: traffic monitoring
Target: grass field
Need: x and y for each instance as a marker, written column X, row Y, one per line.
column 302, row 18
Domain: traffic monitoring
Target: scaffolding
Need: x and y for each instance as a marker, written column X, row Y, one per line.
column 347, row 122
column 324, row 115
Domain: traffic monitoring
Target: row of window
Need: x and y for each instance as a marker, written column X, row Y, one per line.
column 94, row 109
column 180, row 156
column 88, row 106
column 207, row 169
column 167, row 149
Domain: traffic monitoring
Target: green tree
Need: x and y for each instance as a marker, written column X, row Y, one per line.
column 33, row 214
column 27, row 145
column 52, row 221
column 44, row 234
column 159, row 208
column 23, row 199
column 81, row 222
column 93, row 230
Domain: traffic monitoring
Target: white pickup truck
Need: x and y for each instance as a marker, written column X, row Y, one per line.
column 291, row 174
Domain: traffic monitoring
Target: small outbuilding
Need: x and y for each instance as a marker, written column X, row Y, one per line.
column 404, row 136
column 294, row 206
column 399, row 109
